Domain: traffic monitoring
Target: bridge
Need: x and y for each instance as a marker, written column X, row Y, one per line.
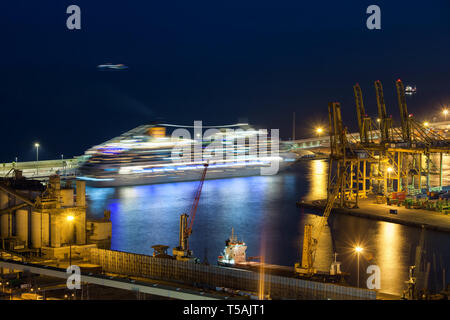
column 41, row 170
column 323, row 141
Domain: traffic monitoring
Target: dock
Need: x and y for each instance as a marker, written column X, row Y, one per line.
column 368, row 208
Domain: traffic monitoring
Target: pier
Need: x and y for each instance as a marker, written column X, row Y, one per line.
column 369, row 208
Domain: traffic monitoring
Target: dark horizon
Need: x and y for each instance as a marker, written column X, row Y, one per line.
column 218, row 63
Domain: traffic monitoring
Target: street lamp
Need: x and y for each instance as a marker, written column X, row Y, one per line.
column 70, row 219
column 389, row 170
column 37, row 156
column 445, row 112
column 358, row 250
column 319, row 131
column 425, row 124
column 62, row 163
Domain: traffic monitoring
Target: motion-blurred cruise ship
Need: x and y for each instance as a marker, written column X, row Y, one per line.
column 145, row 155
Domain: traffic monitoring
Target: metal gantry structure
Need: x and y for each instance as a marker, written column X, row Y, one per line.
column 182, row 252
column 383, row 159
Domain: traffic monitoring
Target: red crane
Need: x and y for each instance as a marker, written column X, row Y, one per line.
column 182, row 252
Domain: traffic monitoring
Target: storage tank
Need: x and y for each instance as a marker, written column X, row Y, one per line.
column 5, row 225
column 5, row 220
column 67, row 197
column 4, row 200
column 36, row 229
column 81, row 193
column 22, row 224
column 81, row 229
column 55, row 231
column 45, row 229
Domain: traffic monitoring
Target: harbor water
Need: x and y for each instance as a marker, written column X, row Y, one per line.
column 262, row 210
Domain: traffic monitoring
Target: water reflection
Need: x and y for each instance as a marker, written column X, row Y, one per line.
column 317, row 178
column 389, row 256
column 262, row 212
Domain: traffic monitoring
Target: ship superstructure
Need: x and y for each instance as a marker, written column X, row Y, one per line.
column 234, row 252
column 147, row 155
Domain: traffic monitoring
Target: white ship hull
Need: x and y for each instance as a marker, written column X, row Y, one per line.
column 175, row 176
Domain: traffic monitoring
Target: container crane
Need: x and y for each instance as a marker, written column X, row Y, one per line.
column 404, row 116
column 339, row 187
column 385, row 123
column 311, row 241
column 364, row 122
column 182, row 252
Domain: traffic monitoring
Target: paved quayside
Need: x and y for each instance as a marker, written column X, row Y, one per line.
column 368, row 208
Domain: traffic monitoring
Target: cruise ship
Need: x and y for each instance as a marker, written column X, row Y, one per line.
column 148, row 155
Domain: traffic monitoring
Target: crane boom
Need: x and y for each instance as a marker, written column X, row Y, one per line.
column 404, row 116
column 182, row 252
column 364, row 122
column 360, row 112
column 196, row 201
column 311, row 242
column 385, row 123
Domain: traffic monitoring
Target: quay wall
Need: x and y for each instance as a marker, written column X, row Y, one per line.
column 131, row 264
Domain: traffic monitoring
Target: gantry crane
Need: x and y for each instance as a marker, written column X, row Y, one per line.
column 404, row 116
column 385, row 123
column 312, row 235
column 341, row 157
column 364, row 122
column 182, row 252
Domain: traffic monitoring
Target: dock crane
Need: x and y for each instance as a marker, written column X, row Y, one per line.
column 340, row 154
column 311, row 241
column 364, row 122
column 182, row 252
column 385, row 122
column 404, row 116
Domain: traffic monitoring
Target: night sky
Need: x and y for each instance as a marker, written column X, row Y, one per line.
column 216, row 61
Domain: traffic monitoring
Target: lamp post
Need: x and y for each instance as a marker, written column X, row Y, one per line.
column 389, row 170
column 445, row 112
column 319, row 131
column 62, row 163
column 358, row 251
column 37, row 157
column 70, row 219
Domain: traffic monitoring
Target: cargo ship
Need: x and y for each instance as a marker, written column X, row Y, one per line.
column 146, row 155
column 234, row 256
